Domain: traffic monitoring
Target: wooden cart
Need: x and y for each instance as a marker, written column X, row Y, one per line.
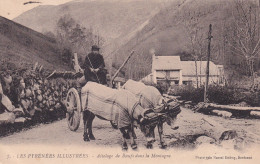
column 72, row 101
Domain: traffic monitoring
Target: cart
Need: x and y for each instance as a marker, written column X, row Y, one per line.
column 72, row 101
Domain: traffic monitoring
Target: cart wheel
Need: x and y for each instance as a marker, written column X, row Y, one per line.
column 73, row 106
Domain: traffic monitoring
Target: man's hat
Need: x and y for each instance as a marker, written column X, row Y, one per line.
column 95, row 47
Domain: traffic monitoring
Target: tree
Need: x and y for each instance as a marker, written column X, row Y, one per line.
column 245, row 34
column 196, row 44
column 72, row 37
column 64, row 27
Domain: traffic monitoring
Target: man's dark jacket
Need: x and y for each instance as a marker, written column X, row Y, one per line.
column 95, row 61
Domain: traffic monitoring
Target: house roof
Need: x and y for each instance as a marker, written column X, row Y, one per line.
column 166, row 63
column 189, row 69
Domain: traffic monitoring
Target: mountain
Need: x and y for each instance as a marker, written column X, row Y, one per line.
column 166, row 33
column 144, row 26
column 108, row 18
column 22, row 46
column 117, row 21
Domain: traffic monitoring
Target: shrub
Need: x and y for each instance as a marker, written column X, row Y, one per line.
column 222, row 95
column 163, row 86
column 187, row 92
column 217, row 94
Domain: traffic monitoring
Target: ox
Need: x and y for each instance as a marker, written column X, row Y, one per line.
column 150, row 97
column 120, row 106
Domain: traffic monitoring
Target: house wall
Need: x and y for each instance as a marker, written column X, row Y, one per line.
column 201, row 80
column 174, row 74
column 181, row 80
column 177, row 77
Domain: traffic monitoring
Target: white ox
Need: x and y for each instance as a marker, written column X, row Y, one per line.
column 150, row 97
column 120, row 106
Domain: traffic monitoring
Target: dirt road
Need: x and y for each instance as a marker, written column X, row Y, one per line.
column 57, row 133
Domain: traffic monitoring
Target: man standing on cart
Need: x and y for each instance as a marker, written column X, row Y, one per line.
column 94, row 67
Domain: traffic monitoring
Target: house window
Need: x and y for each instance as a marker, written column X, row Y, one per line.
column 176, row 82
column 187, row 82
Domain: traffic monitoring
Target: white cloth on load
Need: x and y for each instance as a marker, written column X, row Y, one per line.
column 111, row 104
column 149, row 96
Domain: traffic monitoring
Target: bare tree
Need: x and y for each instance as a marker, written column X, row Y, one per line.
column 196, row 44
column 245, row 39
column 72, row 37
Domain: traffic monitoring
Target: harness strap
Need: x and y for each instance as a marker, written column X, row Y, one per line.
column 132, row 114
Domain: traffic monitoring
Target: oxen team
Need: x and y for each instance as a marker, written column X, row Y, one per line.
column 135, row 105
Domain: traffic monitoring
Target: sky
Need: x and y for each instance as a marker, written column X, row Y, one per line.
column 13, row 8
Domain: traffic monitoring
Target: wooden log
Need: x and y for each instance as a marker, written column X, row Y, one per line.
column 222, row 113
column 188, row 102
column 223, row 107
column 7, row 117
column 1, row 89
column 7, row 103
column 20, row 109
column 20, row 120
column 255, row 113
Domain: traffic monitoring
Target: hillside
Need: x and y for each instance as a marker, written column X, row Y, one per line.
column 116, row 21
column 166, row 33
column 21, row 45
column 108, row 18
column 146, row 26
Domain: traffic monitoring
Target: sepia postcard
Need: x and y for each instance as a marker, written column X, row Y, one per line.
column 129, row 81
